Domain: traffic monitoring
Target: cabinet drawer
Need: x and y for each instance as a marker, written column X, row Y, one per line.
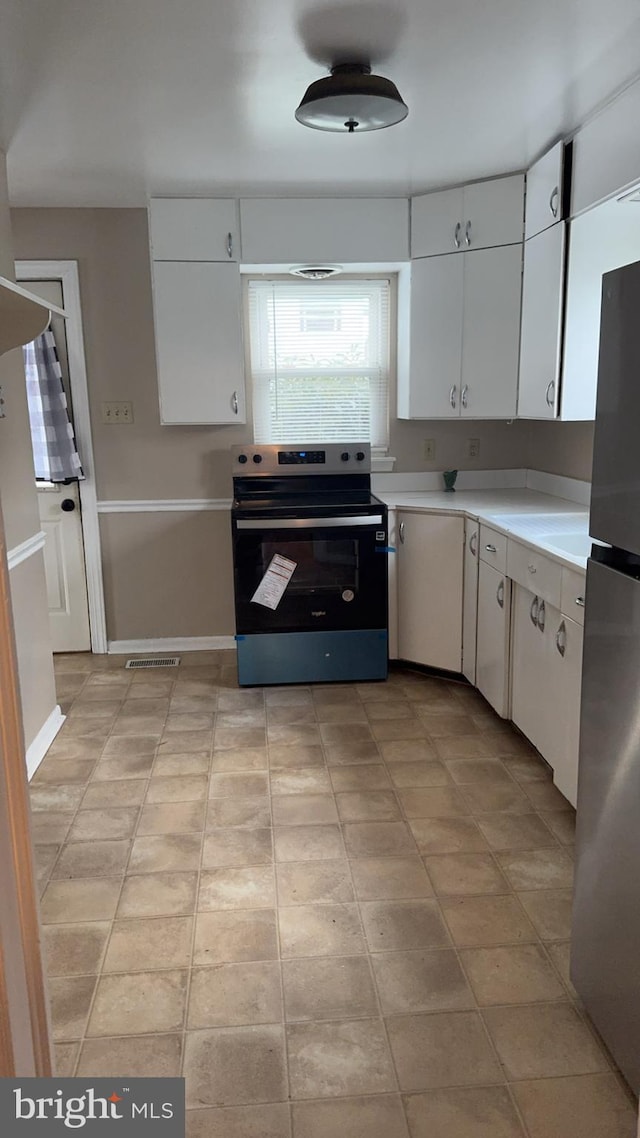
column 572, row 595
column 493, row 548
column 537, row 573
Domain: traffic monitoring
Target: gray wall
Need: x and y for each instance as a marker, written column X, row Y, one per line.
column 149, row 557
column 21, row 521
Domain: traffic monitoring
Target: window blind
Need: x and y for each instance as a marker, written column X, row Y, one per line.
column 320, row 360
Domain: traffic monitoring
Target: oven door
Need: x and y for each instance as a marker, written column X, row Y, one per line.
column 339, row 580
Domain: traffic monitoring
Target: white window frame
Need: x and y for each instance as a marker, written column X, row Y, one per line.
column 380, row 457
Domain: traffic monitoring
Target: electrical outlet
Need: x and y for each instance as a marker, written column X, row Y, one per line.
column 430, row 449
column 473, row 448
column 117, row 412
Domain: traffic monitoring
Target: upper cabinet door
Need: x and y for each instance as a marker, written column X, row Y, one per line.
column 545, row 195
column 493, row 213
column 197, row 310
column 436, row 223
column 429, row 388
column 194, row 229
column 541, row 336
column 491, row 332
column 295, row 231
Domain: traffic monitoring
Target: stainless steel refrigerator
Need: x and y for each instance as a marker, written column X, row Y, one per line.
column 605, row 955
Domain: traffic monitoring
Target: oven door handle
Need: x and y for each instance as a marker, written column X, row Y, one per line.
column 309, row 523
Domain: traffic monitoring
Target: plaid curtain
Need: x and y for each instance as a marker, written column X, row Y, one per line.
column 54, row 447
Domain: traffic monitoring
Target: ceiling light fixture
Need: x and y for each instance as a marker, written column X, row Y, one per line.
column 351, row 100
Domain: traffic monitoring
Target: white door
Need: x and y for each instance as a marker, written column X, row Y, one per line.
column 493, row 212
column 544, row 192
column 492, row 648
column 194, row 229
column 491, row 332
column 470, row 607
column 430, row 573
column 542, row 303
column 64, row 548
column 436, row 340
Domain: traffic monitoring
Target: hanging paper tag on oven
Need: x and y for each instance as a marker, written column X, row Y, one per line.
column 272, row 586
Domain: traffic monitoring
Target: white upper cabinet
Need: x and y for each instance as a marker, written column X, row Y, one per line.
column 194, row 229
column 491, row 333
column 199, row 353
column 436, row 223
column 429, row 385
column 463, row 337
column 545, row 196
column 319, row 230
column 477, row 216
column 541, row 336
column 606, row 160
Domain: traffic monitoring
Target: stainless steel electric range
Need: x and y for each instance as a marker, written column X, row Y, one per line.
column 310, row 565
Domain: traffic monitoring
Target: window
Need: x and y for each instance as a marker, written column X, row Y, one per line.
column 320, row 360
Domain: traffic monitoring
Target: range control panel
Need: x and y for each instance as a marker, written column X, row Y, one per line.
column 334, row 458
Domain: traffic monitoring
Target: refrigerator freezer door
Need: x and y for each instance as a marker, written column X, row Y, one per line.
column 605, row 955
column 615, row 493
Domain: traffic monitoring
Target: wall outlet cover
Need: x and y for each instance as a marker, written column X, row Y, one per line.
column 113, row 413
column 473, row 448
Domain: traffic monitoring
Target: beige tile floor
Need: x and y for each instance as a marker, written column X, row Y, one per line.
column 335, row 909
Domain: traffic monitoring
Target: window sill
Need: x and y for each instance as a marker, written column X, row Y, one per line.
column 382, row 463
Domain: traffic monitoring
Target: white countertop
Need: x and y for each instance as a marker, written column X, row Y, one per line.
column 555, row 526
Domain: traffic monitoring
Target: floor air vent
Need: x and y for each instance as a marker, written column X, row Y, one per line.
column 156, row 662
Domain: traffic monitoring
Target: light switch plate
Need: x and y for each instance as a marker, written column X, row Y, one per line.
column 429, row 449
column 116, row 413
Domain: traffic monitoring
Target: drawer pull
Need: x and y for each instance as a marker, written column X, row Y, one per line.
column 542, row 616
column 533, row 611
column 561, row 639
column 580, row 602
column 491, row 549
column 531, row 568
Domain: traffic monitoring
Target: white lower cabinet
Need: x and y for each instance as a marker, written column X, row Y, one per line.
column 430, row 589
column 470, row 604
column 545, row 684
column 492, row 643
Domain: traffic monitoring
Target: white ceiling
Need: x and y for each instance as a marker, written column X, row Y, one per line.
column 105, row 101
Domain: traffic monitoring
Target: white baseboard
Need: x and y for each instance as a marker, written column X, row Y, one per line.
column 38, row 748
column 172, row 644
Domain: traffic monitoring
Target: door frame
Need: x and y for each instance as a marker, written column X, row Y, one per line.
column 67, row 273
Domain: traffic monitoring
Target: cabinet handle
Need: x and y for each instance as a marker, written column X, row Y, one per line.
column 467, row 234
column 456, row 235
column 473, row 544
column 554, row 201
column 234, row 402
column 491, row 549
column 500, row 594
column 401, row 533
column 550, row 394
column 580, row 602
column 561, row 639
column 452, row 395
column 533, row 611
column 463, row 395
column 542, row 616
column 229, row 245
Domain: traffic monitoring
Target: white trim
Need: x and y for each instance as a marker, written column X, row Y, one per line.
column 162, row 505
column 26, row 548
column 171, row 644
column 39, row 746
column 67, row 273
column 571, row 488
